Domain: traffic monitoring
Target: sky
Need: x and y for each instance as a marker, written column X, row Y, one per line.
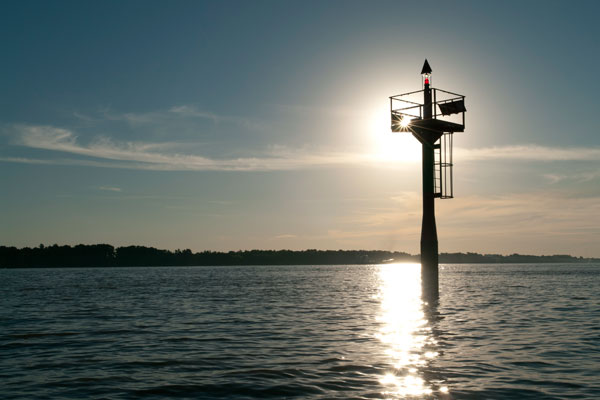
column 232, row 125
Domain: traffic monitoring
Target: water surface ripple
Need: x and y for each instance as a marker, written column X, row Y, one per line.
column 497, row 332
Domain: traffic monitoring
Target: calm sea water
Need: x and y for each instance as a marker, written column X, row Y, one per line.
column 498, row 331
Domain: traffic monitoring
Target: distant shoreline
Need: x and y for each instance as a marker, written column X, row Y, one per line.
column 105, row 255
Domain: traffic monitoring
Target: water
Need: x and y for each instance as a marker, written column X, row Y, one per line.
column 498, row 331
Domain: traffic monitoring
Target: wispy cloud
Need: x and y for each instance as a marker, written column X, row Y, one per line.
column 284, row 236
column 530, row 152
column 173, row 156
column 580, row 177
column 110, row 188
column 160, row 156
column 190, row 111
column 169, row 118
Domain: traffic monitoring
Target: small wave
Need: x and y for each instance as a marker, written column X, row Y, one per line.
column 352, row 368
column 264, row 373
column 502, row 393
column 32, row 335
column 533, row 364
column 227, row 390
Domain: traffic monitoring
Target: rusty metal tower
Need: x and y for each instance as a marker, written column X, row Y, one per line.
column 432, row 116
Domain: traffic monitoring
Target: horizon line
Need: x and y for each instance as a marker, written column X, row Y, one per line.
column 43, row 246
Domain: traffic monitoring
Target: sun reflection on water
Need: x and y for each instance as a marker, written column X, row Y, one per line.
column 405, row 332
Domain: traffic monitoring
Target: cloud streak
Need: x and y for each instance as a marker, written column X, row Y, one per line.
column 171, row 156
column 160, row 156
column 530, row 152
column 110, row 188
column 170, row 118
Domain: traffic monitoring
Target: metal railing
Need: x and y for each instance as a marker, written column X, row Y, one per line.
column 410, row 105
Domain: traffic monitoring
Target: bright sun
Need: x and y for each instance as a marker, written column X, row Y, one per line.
column 391, row 146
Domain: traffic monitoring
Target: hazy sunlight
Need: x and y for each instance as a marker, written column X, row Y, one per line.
column 391, row 146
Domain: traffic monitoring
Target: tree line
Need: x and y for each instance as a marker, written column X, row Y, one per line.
column 105, row 255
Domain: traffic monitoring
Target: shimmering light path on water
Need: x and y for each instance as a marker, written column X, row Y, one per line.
column 498, row 331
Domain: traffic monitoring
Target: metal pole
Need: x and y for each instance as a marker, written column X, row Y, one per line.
column 429, row 242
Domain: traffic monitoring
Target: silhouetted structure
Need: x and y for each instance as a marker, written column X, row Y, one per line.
column 417, row 112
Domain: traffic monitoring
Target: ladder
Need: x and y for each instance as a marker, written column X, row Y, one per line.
column 442, row 167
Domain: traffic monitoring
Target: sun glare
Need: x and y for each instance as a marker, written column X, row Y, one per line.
column 391, row 146
column 405, row 333
column 405, row 121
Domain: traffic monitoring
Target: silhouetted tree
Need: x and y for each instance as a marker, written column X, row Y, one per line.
column 104, row 255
